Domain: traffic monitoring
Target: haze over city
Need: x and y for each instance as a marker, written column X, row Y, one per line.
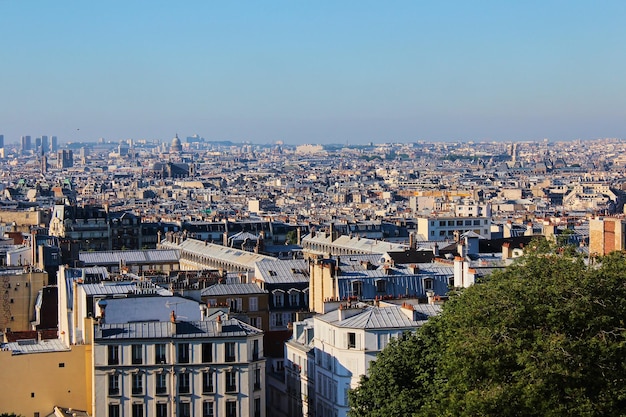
column 313, row 72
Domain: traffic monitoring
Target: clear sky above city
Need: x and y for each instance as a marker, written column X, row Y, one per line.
column 313, row 71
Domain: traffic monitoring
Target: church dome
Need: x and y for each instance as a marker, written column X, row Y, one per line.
column 176, row 145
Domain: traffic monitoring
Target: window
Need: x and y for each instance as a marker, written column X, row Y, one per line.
column 183, row 383
column 230, row 352
column 257, row 407
column 383, row 340
column 257, row 379
column 207, row 352
column 450, row 222
column 279, row 299
column 183, row 353
column 277, row 319
column 256, row 322
column 294, row 298
column 161, row 383
column 137, row 354
column 184, row 409
column 208, row 410
column 114, row 384
column 137, row 384
column 476, row 223
column 253, row 303
column 113, row 355
column 381, row 285
column 137, row 410
column 207, row 382
column 231, row 381
column 442, row 223
column 159, row 353
column 255, row 350
column 235, row 304
column 468, row 222
column 351, row 340
column 428, row 284
column 161, row 410
column 357, row 288
column 459, row 222
column 114, row 410
column 231, row 409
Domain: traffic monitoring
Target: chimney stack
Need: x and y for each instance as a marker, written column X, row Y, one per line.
column 218, row 324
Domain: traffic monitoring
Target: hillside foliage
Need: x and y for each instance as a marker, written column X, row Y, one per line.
column 543, row 337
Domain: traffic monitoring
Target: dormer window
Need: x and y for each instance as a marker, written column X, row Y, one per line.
column 294, row 297
column 279, row 298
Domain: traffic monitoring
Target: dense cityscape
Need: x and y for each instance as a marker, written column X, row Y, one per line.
column 193, row 277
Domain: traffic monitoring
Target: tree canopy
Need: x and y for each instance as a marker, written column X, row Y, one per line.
column 544, row 337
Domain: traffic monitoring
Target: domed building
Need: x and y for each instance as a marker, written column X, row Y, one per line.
column 176, row 146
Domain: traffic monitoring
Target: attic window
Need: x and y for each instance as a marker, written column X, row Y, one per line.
column 381, row 285
column 272, row 273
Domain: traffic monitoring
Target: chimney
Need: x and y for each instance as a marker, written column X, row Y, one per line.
column 218, row 324
column 341, row 313
column 506, row 251
column 412, row 241
column 436, row 250
column 102, row 304
column 173, row 323
column 408, row 310
column 298, row 236
column 458, row 272
column 430, row 294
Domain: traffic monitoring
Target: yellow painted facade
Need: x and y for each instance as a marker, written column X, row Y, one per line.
column 36, row 382
column 19, row 304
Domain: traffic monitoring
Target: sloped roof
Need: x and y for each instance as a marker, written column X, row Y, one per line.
column 184, row 330
column 387, row 317
column 283, row 271
column 209, row 250
column 232, row 289
column 149, row 256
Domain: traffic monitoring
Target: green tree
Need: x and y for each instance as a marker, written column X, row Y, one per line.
column 545, row 337
column 291, row 238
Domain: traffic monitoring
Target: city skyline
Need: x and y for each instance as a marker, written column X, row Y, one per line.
column 313, row 73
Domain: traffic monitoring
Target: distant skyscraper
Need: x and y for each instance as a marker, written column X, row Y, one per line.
column 45, row 144
column 1, row 141
column 26, row 146
column 54, row 146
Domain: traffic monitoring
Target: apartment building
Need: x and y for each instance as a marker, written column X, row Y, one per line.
column 213, row 367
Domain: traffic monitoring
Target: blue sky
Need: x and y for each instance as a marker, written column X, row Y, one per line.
column 313, row 71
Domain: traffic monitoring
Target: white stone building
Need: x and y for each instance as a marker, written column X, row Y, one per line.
column 328, row 353
column 207, row 368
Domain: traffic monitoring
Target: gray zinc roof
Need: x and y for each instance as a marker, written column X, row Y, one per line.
column 388, row 317
column 232, row 289
column 183, row 330
column 218, row 252
column 283, row 271
column 150, row 308
column 149, row 256
column 34, row 346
